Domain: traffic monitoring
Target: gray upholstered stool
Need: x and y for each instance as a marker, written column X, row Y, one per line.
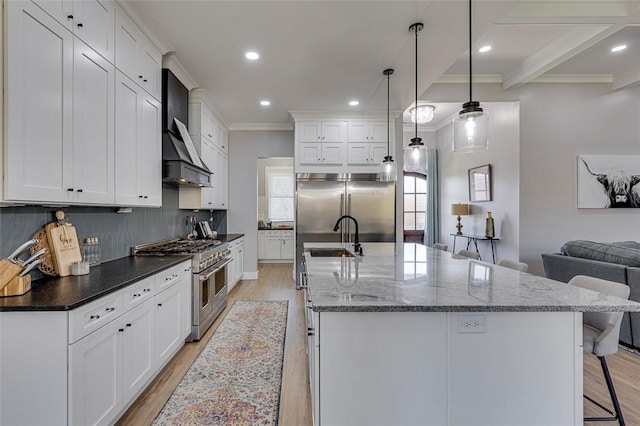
column 440, row 246
column 600, row 335
column 470, row 254
column 514, row 264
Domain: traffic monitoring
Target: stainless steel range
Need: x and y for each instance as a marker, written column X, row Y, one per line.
column 209, row 259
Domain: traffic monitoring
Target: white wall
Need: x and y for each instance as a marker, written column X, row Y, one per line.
column 503, row 155
column 558, row 122
column 245, row 147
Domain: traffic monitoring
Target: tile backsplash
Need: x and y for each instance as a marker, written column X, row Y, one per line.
column 117, row 232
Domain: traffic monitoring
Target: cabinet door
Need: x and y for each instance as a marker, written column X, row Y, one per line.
column 378, row 131
column 358, row 131
column 209, row 154
column 60, row 10
column 38, row 149
column 222, row 180
column 333, row 131
column 127, row 39
column 332, row 153
column 240, row 259
column 95, row 376
column 168, row 328
column 150, row 68
column 261, row 247
column 137, row 349
column 358, row 153
column 126, row 141
column 93, row 23
column 287, row 249
column 377, row 152
column 93, row 126
column 272, row 249
column 150, row 151
column 310, row 153
column 185, row 294
column 309, row 131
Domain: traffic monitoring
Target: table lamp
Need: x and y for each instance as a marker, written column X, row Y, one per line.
column 460, row 210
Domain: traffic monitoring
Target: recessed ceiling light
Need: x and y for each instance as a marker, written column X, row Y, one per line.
column 618, row 48
column 484, row 49
column 265, row 103
column 354, row 103
column 252, row 56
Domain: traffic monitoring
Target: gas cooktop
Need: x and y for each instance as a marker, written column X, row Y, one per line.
column 176, row 246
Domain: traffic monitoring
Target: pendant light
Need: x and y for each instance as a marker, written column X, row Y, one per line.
column 470, row 128
column 388, row 171
column 415, row 155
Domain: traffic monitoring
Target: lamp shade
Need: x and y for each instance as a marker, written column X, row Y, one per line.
column 460, row 209
column 415, row 157
column 388, row 170
column 470, row 131
column 422, row 114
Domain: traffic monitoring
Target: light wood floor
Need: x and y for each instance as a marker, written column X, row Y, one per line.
column 276, row 283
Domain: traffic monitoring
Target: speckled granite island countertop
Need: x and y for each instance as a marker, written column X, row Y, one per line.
column 66, row 293
column 412, row 277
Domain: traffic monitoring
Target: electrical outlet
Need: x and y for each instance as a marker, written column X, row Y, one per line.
column 471, row 323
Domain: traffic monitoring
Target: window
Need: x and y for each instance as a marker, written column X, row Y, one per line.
column 280, row 191
column 415, row 207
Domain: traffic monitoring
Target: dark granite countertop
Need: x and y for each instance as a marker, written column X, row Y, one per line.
column 227, row 238
column 66, row 293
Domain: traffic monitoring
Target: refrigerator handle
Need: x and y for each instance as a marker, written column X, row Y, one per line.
column 348, row 229
column 340, row 214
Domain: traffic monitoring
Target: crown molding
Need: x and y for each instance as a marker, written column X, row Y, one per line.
column 171, row 62
column 260, row 126
column 342, row 115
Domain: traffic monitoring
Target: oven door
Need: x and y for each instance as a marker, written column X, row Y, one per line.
column 212, row 288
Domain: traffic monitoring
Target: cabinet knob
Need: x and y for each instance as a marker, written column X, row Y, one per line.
column 129, row 325
column 80, row 25
column 136, row 295
column 120, row 330
column 94, row 317
column 139, row 76
column 139, row 196
column 110, row 309
column 70, row 189
column 146, row 290
column 79, row 190
column 159, row 304
column 69, row 17
column 145, row 80
column 146, row 196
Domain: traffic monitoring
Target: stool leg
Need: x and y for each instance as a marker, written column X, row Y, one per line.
column 617, row 415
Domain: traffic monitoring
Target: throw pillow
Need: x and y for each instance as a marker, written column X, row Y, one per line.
column 604, row 252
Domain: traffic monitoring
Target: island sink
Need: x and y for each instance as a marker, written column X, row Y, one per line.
column 330, row 252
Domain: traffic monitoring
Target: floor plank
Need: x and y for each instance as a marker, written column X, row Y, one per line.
column 276, row 283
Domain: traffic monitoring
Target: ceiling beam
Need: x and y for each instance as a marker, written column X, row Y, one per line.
column 626, row 80
column 563, row 48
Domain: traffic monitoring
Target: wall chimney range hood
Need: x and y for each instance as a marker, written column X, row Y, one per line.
column 177, row 165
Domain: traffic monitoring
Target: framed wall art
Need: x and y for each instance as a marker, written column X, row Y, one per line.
column 608, row 181
column 480, row 184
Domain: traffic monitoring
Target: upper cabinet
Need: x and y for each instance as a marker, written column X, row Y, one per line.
column 340, row 146
column 136, row 57
column 60, row 150
column 92, row 21
column 62, row 113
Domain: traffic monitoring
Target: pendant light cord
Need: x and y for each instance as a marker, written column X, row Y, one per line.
column 416, row 104
column 388, row 131
column 470, row 63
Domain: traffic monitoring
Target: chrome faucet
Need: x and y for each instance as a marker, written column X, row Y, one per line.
column 356, row 245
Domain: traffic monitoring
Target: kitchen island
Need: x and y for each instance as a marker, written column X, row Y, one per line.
column 408, row 335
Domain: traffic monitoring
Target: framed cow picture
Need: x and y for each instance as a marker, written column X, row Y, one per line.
column 608, row 181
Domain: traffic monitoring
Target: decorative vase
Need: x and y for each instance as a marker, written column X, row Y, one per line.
column 489, row 230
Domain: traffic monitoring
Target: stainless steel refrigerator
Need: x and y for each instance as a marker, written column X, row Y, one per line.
column 323, row 198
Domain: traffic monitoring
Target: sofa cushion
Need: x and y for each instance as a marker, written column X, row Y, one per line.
column 628, row 244
column 604, row 252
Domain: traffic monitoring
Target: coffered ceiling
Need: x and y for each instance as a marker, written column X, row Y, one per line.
column 319, row 55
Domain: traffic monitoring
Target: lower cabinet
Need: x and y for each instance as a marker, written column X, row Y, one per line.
column 276, row 245
column 236, row 267
column 109, row 350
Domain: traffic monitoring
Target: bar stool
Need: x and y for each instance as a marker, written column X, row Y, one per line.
column 440, row 246
column 514, row 264
column 470, row 254
column 600, row 335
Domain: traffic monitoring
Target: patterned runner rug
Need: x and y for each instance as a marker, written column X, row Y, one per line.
column 237, row 377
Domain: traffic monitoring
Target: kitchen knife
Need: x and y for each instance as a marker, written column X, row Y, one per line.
column 24, row 247
column 29, row 267
column 35, row 256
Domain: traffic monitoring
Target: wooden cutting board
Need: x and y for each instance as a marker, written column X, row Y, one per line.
column 64, row 246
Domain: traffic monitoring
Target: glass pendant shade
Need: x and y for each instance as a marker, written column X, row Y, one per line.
column 422, row 114
column 415, row 157
column 388, row 170
column 471, row 129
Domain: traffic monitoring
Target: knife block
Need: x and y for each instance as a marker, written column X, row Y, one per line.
column 8, row 271
column 17, row 286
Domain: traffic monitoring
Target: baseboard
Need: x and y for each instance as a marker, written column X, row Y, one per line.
column 249, row 275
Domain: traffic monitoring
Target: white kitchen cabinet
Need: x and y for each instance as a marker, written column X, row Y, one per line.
column 59, row 151
column 321, row 153
column 95, row 376
column 276, row 245
column 236, row 267
column 92, row 21
column 321, row 131
column 211, row 139
column 136, row 57
column 366, row 153
column 168, row 324
column 367, row 131
column 137, row 146
column 138, row 358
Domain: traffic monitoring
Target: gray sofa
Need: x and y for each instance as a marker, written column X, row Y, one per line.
column 619, row 262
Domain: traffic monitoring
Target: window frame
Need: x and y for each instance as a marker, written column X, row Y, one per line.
column 269, row 171
column 414, row 235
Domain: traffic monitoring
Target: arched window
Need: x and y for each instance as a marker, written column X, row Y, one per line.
column 415, row 207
